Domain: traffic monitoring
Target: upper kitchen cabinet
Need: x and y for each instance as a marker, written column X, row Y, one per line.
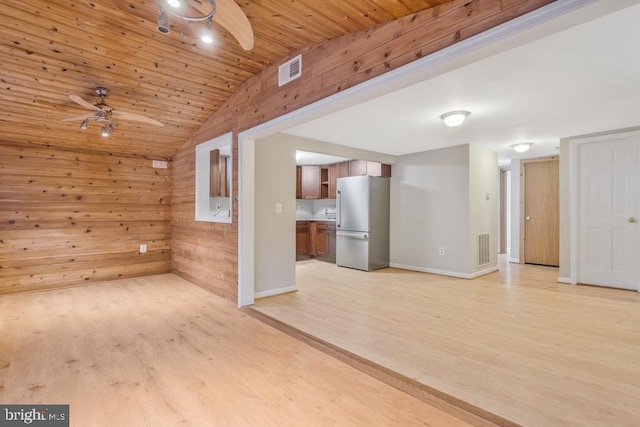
column 365, row 167
column 311, row 182
column 337, row 170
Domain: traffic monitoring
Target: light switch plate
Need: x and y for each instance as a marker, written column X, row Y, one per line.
column 278, row 208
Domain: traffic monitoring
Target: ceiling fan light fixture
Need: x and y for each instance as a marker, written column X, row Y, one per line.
column 521, row 147
column 173, row 3
column 454, row 118
column 106, row 130
column 84, row 124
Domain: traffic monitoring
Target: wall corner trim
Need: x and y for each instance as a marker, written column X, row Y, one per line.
column 445, row 272
column 272, row 292
column 564, row 280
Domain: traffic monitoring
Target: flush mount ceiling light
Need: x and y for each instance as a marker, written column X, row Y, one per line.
column 454, row 118
column 521, row 147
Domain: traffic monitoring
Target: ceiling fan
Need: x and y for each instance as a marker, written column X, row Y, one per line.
column 103, row 114
column 227, row 13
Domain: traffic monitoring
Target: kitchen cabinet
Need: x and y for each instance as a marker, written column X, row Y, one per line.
column 311, row 182
column 364, row 167
column 337, row 170
column 323, row 240
column 303, row 248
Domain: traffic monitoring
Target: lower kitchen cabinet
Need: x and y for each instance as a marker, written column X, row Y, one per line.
column 323, row 240
column 303, row 247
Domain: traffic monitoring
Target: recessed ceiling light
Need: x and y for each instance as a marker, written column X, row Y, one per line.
column 174, row 3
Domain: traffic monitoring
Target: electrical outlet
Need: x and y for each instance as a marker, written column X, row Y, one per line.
column 218, row 206
column 442, row 251
column 143, row 249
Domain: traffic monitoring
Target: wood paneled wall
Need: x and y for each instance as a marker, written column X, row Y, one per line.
column 70, row 217
column 206, row 254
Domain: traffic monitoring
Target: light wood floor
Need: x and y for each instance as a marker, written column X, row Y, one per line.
column 159, row 351
column 515, row 342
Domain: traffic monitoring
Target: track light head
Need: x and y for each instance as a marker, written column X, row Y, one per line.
column 207, row 33
column 163, row 23
column 84, row 124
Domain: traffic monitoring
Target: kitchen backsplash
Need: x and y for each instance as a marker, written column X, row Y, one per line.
column 316, row 209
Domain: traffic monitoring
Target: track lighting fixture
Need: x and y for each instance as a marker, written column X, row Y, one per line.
column 207, row 9
column 84, row 124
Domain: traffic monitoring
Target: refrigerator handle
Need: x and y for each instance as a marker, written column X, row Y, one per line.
column 339, row 216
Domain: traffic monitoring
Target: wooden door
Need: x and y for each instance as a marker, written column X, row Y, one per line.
column 541, row 211
column 608, row 213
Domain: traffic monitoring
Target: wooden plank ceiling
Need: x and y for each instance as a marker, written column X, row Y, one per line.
column 50, row 49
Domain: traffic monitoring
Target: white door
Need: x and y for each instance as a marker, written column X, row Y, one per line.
column 608, row 213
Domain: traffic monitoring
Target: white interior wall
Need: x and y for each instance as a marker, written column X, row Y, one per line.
column 430, row 210
column 275, row 182
column 484, row 205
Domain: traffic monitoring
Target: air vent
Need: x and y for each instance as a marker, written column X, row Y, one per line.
column 484, row 256
column 290, row 70
column 159, row 164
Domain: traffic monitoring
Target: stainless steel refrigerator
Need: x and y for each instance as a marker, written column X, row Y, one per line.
column 362, row 222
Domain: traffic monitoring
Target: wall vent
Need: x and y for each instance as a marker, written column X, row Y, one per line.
column 159, row 164
column 484, row 256
column 290, row 70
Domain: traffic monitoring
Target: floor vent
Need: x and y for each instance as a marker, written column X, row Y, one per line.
column 484, row 256
column 290, row 70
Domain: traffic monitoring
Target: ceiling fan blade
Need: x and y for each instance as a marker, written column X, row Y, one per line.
column 82, row 102
column 134, row 117
column 230, row 16
column 82, row 117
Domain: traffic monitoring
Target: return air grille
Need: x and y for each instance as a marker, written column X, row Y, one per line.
column 290, row 70
column 484, row 256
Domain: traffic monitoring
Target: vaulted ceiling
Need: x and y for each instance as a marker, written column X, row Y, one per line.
column 50, row 49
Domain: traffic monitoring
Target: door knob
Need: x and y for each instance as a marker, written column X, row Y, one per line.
column 632, row 219
column 528, row 218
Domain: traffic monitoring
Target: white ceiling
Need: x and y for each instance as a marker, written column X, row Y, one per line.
column 577, row 81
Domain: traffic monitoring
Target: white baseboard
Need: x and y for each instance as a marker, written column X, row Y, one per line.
column 483, row 272
column 564, row 280
column 272, row 292
column 514, row 260
column 445, row 272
